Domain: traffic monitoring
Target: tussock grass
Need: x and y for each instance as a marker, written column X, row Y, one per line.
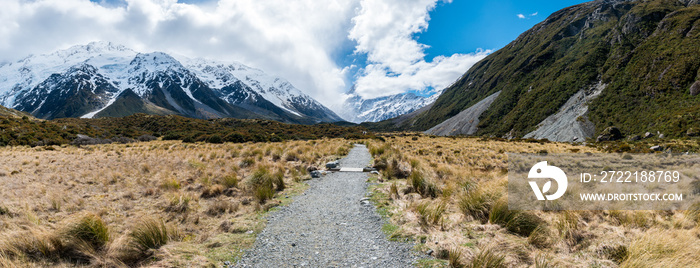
column 117, row 183
column 476, row 204
column 151, row 234
column 664, row 248
column 90, row 229
column 487, row 258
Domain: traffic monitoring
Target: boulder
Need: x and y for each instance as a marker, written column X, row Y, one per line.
column 315, row 174
column 333, row 164
column 695, row 89
column 635, row 138
column 661, row 136
column 610, row 134
column 656, row 148
column 648, row 135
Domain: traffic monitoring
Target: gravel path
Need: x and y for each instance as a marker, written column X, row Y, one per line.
column 329, row 226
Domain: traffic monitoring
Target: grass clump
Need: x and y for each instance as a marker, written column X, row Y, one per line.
column 263, row 184
column 151, row 234
column 487, row 259
column 91, row 230
column 519, row 222
column 230, row 181
column 476, row 204
column 431, row 214
column 422, row 186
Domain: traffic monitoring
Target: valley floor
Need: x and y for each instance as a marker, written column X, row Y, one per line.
column 174, row 204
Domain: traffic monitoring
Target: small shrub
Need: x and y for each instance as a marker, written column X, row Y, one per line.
column 215, row 139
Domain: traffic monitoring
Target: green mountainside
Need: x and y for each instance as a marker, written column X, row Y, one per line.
column 646, row 52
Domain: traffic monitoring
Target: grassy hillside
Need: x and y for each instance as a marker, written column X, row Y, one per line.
column 645, row 51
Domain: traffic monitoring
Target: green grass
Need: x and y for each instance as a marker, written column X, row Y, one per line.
column 91, row 230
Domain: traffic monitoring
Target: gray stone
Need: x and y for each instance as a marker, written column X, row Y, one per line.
column 635, row 138
column 333, row 164
column 656, row 148
column 661, row 136
column 315, row 174
column 648, row 135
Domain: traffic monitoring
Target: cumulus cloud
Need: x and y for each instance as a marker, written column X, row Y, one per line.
column 521, row 16
column 298, row 40
column 384, row 30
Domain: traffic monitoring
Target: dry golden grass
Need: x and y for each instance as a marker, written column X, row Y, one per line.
column 465, row 220
column 156, row 203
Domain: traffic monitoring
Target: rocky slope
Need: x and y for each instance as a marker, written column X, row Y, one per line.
column 104, row 79
column 645, row 52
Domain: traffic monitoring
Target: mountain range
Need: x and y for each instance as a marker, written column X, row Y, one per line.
column 357, row 109
column 103, row 79
column 630, row 64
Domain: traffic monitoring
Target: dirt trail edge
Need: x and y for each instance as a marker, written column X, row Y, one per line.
column 328, row 226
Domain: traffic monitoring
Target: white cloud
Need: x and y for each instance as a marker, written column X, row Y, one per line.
column 521, row 16
column 534, row 14
column 384, row 30
column 293, row 39
column 298, row 40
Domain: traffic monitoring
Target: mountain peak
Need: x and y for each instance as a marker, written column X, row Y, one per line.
column 155, row 61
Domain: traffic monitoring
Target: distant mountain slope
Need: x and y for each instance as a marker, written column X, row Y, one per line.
column 645, row 54
column 357, row 109
column 12, row 113
column 103, row 79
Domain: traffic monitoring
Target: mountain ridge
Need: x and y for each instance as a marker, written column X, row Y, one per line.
column 645, row 52
column 165, row 85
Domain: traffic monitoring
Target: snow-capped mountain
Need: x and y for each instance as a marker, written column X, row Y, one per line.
column 358, row 110
column 103, row 79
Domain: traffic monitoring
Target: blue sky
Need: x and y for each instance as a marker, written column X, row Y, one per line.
column 464, row 26
column 324, row 48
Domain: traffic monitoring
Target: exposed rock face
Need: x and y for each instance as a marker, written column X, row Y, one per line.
column 571, row 122
column 466, row 122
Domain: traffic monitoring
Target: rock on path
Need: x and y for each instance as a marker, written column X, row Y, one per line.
column 329, row 226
